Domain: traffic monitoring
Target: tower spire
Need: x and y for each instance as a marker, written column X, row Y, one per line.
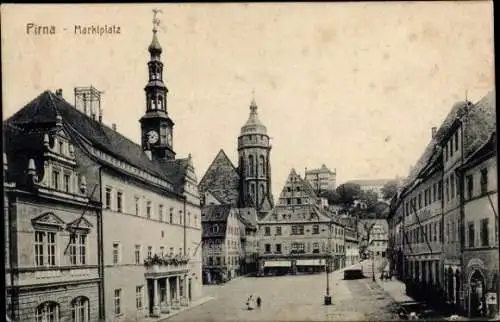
column 155, row 48
column 253, row 104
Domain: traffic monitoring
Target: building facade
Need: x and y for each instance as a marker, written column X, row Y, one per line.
column 351, row 246
column 250, row 241
column 222, row 248
column 146, row 198
column 322, row 179
column 53, row 263
column 377, row 243
column 297, row 235
column 427, row 218
column 480, row 210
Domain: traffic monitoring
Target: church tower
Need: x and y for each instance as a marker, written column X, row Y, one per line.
column 156, row 125
column 254, row 164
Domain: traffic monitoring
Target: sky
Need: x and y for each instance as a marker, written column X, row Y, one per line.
column 354, row 86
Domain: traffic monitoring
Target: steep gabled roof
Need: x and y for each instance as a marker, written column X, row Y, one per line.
column 215, row 213
column 222, row 180
column 44, row 110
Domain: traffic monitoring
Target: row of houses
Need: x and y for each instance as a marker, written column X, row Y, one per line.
column 443, row 223
column 297, row 236
column 97, row 227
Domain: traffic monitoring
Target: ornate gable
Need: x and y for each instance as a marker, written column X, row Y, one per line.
column 79, row 224
column 48, row 221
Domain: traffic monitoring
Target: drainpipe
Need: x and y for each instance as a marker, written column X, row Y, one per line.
column 100, row 255
column 462, row 213
column 13, row 290
column 184, row 222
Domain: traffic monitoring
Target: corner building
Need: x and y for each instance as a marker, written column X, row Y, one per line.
column 143, row 258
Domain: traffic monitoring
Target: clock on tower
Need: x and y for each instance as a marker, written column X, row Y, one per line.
column 156, row 125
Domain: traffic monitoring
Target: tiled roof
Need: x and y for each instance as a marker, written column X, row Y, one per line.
column 222, row 180
column 248, row 216
column 215, row 213
column 480, row 124
column 44, row 110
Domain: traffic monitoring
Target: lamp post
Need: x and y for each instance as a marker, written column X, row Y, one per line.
column 328, row 298
column 373, row 266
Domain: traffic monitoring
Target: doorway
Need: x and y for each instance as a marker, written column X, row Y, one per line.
column 477, row 303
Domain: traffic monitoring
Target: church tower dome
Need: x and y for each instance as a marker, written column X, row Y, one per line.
column 254, row 150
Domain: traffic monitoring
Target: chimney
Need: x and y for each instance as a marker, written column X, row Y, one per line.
column 113, row 126
column 59, row 92
column 434, row 131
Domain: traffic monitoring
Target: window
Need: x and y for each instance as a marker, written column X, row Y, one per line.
column 456, row 141
column 450, row 148
column 139, row 296
column 278, row 231
column 137, row 206
column 452, row 184
column 80, row 309
column 116, row 253
column 288, row 201
column 66, row 182
column 72, row 249
column 188, row 219
column 150, row 251
column 471, row 234
column 299, row 201
column 118, row 293
column 78, row 249
column 470, row 186
column 119, row 201
column 315, row 229
column 419, row 200
column 39, row 253
column 137, row 254
column 315, row 247
column 447, row 187
column 107, row 198
column 162, row 250
column 267, row 248
column 148, row 209
column 445, row 152
column 440, row 189
column 51, row 248
column 61, row 147
column 434, row 192
column 160, row 212
column 278, row 248
column 171, row 219
column 55, row 180
column 484, row 180
column 48, row 311
column 484, row 232
column 267, row 231
column 180, row 217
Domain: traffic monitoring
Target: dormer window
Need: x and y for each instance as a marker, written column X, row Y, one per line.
column 61, row 147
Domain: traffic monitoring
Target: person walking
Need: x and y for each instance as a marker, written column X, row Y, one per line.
column 259, row 301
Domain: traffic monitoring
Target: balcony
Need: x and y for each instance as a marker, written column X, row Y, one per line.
column 166, row 264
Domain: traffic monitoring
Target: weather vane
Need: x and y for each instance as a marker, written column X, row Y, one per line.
column 156, row 20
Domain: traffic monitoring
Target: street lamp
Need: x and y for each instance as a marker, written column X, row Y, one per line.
column 373, row 266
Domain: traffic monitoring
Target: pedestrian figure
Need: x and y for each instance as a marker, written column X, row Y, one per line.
column 259, row 301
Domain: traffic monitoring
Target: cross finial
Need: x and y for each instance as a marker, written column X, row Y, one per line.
column 253, row 104
column 156, row 20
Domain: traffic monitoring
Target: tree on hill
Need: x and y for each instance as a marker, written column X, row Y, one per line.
column 389, row 190
column 348, row 192
column 332, row 196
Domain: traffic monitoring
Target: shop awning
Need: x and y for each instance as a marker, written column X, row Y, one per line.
column 277, row 264
column 310, row 262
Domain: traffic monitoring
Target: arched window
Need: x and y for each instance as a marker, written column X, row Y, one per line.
column 160, row 102
column 262, row 192
column 250, row 166
column 47, row 311
column 80, row 309
column 262, row 165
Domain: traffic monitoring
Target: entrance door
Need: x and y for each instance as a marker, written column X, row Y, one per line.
column 151, row 295
column 476, row 289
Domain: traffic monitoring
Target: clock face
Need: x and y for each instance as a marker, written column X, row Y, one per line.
column 152, row 137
